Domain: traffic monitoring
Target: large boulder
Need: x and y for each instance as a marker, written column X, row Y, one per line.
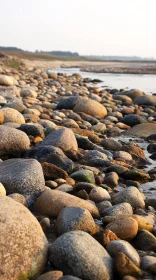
column 91, row 107
column 6, row 80
column 77, row 253
column 51, row 202
column 142, row 130
column 24, row 247
column 12, row 115
column 12, row 141
column 148, row 100
column 63, row 138
column 24, row 176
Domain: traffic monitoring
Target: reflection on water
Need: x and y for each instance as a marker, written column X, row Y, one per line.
column 146, row 83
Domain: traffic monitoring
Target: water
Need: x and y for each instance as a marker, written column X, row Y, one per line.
column 146, row 83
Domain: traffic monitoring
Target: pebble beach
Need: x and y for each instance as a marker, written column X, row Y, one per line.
column 77, row 178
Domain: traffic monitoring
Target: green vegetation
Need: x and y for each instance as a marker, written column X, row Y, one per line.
column 13, row 64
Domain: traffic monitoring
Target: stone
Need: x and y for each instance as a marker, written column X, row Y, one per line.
column 32, row 129
column 133, row 119
column 51, row 275
column 19, row 198
column 111, row 144
column 12, row 115
column 125, row 229
column 133, row 93
column 52, row 75
column 94, row 154
column 51, row 202
column 83, row 176
column 148, row 100
column 1, row 118
column 147, row 262
column 28, row 92
column 105, row 236
column 68, row 103
column 13, row 141
column 52, row 172
column 75, row 218
column 17, row 105
column 51, row 155
column 6, row 80
column 9, row 91
column 21, row 237
column 142, row 130
column 145, row 241
column 99, row 194
column 62, row 138
column 130, row 195
column 124, row 266
column 115, row 246
column 143, row 223
column 2, row 189
column 91, row 107
column 69, row 277
column 79, row 254
column 23, row 176
column 120, row 209
column 121, row 154
column 111, row 179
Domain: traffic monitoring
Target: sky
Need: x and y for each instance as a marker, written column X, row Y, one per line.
column 97, row 27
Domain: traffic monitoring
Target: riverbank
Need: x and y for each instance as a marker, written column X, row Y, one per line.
column 99, row 67
column 75, row 160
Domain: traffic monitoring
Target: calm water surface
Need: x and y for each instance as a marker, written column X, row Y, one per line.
column 146, row 83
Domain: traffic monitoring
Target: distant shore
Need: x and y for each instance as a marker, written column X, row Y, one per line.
column 99, row 67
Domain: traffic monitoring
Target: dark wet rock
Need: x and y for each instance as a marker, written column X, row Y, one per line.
column 52, row 155
column 77, row 247
column 151, row 148
column 145, row 241
column 151, row 201
column 136, row 174
column 153, row 156
column 23, row 176
column 133, row 120
column 69, row 103
column 84, row 186
column 32, row 129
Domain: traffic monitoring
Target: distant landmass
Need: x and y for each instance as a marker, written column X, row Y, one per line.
column 61, row 53
column 116, row 57
column 76, row 55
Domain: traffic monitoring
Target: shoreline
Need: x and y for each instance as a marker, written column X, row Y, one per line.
column 147, row 68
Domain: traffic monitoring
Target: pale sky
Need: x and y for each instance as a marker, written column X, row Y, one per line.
column 98, row 27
